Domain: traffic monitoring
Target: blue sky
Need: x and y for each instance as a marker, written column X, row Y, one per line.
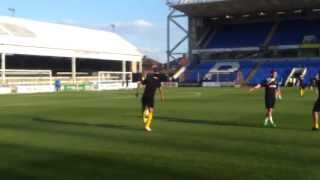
column 142, row 22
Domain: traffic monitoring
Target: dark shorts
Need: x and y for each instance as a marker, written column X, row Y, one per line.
column 303, row 86
column 316, row 107
column 270, row 103
column 147, row 102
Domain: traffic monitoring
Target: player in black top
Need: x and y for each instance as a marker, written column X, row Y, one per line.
column 316, row 107
column 152, row 83
column 302, row 85
column 271, row 88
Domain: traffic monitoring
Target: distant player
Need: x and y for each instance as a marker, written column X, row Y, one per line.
column 313, row 83
column 57, row 85
column 316, row 107
column 302, row 85
column 152, row 83
column 271, row 88
column 279, row 91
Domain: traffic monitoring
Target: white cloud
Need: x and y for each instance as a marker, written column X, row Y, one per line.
column 142, row 23
column 139, row 23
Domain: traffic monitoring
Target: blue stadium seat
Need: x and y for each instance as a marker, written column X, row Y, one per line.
column 283, row 67
column 198, row 72
column 292, row 32
column 246, row 67
column 241, row 35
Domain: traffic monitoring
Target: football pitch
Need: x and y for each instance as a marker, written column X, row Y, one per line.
column 199, row 133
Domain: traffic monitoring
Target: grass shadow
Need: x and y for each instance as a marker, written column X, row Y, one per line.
column 60, row 122
column 224, row 123
column 51, row 164
column 207, row 122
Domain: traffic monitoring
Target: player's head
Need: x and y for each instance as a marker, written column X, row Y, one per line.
column 155, row 69
column 273, row 73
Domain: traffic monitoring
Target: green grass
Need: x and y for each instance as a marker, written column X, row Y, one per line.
column 198, row 134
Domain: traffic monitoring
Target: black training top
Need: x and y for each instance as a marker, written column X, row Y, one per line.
column 301, row 81
column 317, row 81
column 271, row 87
column 152, row 83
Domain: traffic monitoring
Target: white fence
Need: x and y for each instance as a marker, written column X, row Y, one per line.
column 42, row 81
column 22, row 77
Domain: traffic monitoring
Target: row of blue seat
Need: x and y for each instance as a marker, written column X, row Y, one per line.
column 283, row 67
column 197, row 73
column 293, row 32
column 255, row 34
column 247, row 35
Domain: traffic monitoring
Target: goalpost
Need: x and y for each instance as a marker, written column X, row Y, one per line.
column 109, row 80
column 223, row 78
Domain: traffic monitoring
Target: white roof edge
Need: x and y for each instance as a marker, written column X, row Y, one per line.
column 53, row 39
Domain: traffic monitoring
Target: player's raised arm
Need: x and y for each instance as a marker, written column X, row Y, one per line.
column 140, row 84
column 258, row 86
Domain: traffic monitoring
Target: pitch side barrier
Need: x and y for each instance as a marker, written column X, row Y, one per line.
column 42, row 81
column 26, row 81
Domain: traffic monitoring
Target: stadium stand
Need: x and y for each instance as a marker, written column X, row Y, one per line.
column 197, row 73
column 240, row 35
column 283, row 67
column 75, row 55
column 293, row 32
column 255, row 34
column 260, row 36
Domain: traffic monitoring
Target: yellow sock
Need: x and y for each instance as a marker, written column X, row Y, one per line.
column 317, row 126
column 301, row 92
column 150, row 118
column 146, row 115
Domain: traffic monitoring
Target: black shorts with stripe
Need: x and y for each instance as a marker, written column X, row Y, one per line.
column 316, row 107
column 147, row 102
column 270, row 103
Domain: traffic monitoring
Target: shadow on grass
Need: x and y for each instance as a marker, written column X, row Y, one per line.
column 226, row 123
column 60, row 122
column 207, row 122
column 51, row 164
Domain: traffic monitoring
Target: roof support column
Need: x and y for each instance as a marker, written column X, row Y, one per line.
column 124, row 70
column 141, row 66
column 3, row 68
column 134, row 67
column 74, row 69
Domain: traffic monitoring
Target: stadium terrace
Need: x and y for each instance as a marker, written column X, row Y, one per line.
column 238, row 42
column 37, row 53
